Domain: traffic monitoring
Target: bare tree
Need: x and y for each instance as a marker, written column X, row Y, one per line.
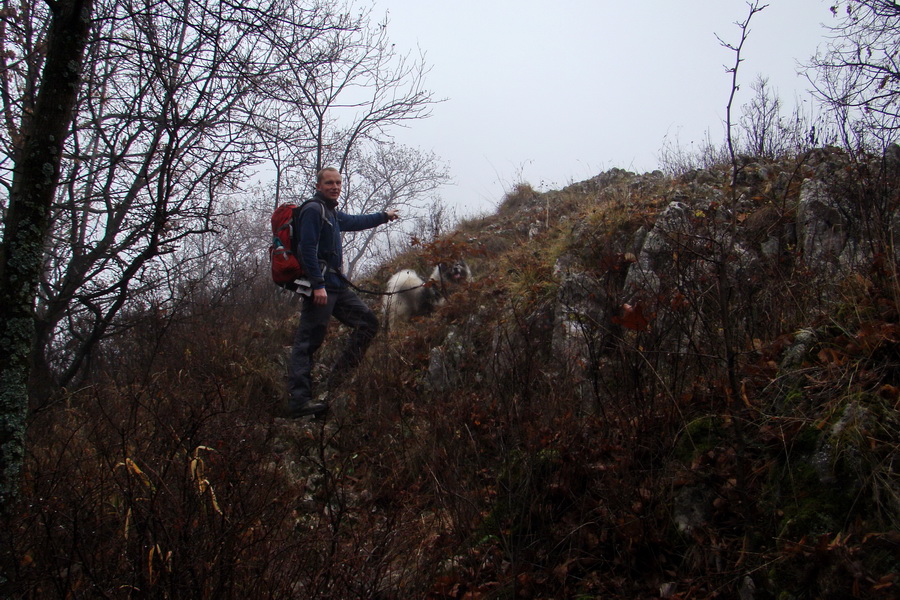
column 389, row 175
column 166, row 126
column 754, row 8
column 761, row 120
column 328, row 109
column 724, row 288
column 857, row 74
column 158, row 136
column 36, row 148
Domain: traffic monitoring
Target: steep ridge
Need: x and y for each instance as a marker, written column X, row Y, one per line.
column 690, row 382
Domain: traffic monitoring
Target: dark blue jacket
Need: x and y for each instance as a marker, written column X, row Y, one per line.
column 319, row 243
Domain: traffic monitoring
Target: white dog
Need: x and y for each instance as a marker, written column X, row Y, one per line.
column 409, row 296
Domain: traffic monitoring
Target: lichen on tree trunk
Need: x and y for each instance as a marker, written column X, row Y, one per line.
column 35, row 177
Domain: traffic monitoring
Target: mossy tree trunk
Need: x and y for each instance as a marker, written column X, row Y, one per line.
column 35, row 177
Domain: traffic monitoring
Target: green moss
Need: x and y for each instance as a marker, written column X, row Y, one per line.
column 814, row 511
column 810, row 491
column 699, row 437
column 793, row 398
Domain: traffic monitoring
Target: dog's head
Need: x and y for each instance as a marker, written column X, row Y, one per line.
column 457, row 272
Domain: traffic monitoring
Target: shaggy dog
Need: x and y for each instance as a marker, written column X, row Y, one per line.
column 410, row 296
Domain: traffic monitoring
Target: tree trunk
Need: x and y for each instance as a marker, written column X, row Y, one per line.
column 35, row 177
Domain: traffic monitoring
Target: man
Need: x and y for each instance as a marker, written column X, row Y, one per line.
column 318, row 246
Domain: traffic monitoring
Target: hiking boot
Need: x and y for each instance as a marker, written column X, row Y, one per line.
column 310, row 408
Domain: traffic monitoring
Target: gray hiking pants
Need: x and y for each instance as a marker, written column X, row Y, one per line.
column 346, row 307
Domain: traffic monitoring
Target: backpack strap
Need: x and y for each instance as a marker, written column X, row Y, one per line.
column 299, row 210
column 314, row 201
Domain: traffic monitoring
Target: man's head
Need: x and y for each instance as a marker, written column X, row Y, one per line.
column 328, row 183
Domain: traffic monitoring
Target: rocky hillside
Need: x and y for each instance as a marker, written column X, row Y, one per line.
column 655, row 387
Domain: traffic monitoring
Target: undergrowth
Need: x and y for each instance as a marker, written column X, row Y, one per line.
column 542, row 435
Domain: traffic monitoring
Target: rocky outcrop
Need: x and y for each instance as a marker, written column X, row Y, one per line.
column 823, row 228
column 703, row 275
column 712, row 251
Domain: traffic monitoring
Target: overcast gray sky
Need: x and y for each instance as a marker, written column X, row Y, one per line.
column 555, row 92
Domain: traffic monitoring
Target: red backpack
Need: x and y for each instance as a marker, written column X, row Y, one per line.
column 285, row 265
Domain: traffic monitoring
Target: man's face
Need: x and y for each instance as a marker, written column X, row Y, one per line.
column 330, row 185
